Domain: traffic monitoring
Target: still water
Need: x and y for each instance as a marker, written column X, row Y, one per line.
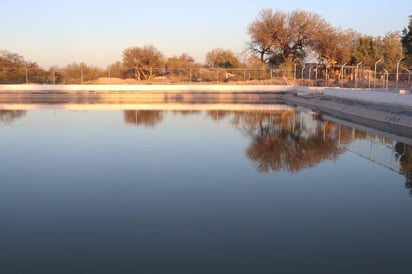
column 200, row 191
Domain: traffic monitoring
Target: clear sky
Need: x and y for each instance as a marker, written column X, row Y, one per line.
column 57, row 32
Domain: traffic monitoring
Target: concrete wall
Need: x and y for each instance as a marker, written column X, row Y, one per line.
column 165, row 88
column 379, row 97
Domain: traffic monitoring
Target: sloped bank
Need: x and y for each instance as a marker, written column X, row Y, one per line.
column 394, row 118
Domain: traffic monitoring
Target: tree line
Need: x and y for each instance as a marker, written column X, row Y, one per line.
column 278, row 40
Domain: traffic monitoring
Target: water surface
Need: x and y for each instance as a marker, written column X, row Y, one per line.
column 200, row 191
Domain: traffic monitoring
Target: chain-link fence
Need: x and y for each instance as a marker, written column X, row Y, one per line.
column 308, row 75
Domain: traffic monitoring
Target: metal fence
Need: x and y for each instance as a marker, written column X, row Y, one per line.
column 308, row 75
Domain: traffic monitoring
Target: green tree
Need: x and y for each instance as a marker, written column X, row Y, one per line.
column 179, row 66
column 116, row 70
column 12, row 68
column 221, row 58
column 367, row 49
column 391, row 49
column 143, row 62
column 407, row 44
column 80, row 73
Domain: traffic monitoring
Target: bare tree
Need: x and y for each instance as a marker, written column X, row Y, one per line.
column 278, row 36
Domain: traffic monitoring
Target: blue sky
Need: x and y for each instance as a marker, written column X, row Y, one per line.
column 96, row 32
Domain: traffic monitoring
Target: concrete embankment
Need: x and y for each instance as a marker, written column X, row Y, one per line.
column 391, row 118
column 146, row 88
column 391, row 111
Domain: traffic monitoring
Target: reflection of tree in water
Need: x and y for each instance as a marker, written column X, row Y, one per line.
column 186, row 112
column 281, row 141
column 8, row 116
column 403, row 153
column 217, row 115
column 148, row 118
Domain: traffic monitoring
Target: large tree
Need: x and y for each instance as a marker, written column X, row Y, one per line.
column 278, row 36
column 143, row 62
column 407, row 44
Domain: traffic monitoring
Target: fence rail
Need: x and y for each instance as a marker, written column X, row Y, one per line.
column 309, row 75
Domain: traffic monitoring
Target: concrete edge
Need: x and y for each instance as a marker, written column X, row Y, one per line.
column 163, row 88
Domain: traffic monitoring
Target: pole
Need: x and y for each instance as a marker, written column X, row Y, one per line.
column 190, row 75
column 271, row 76
column 397, row 71
column 357, row 74
column 81, row 75
column 294, row 73
column 386, row 78
column 374, row 76
column 27, row 76
column 310, row 68
column 341, row 73
column 301, row 75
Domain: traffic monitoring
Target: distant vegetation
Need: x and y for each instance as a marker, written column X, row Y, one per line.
column 278, row 40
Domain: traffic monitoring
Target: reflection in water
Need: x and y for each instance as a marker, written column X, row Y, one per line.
column 148, row 118
column 8, row 116
column 280, row 142
column 287, row 140
column 403, row 154
column 186, row 112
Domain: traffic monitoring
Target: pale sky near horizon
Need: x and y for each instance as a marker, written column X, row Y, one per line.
column 96, row 32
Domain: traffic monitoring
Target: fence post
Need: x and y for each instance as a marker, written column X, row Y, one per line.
column 374, row 76
column 271, row 76
column 294, row 74
column 397, row 71
column 27, row 76
column 81, row 75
